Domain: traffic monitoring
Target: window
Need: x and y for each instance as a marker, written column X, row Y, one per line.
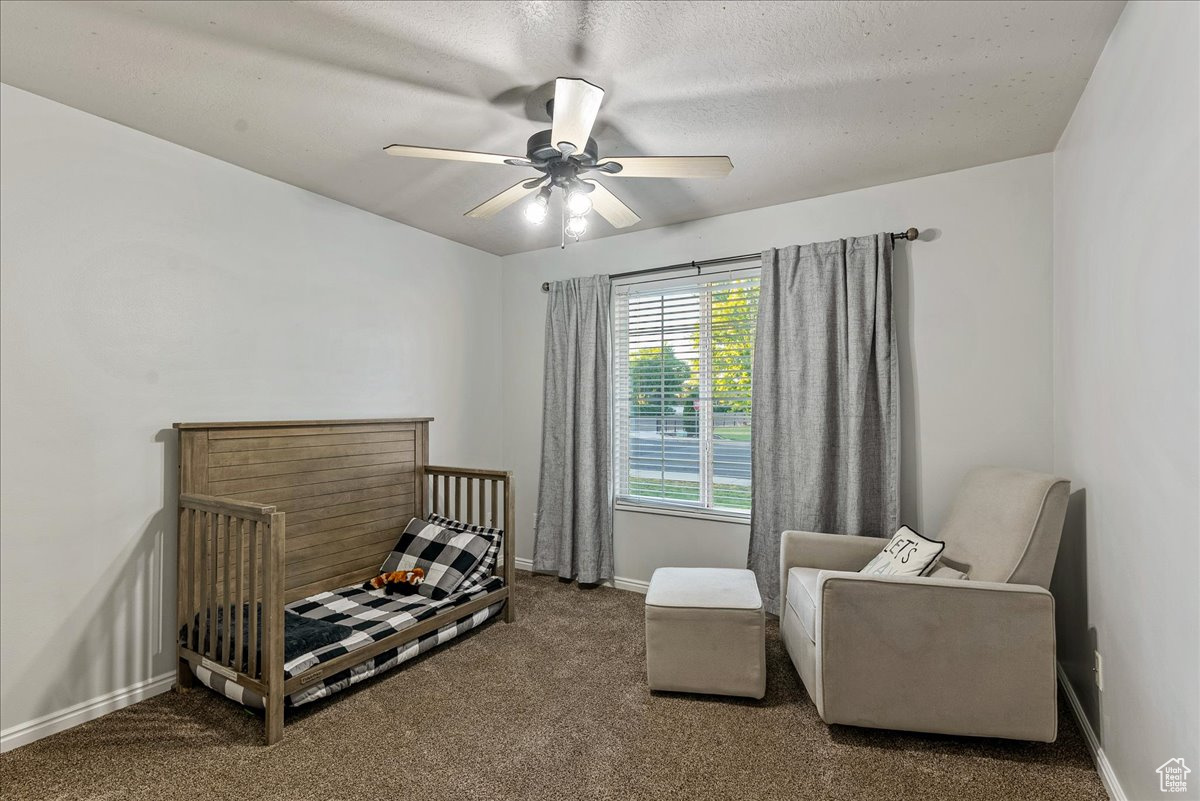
column 683, row 355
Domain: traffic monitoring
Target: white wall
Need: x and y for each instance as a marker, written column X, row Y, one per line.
column 144, row 283
column 973, row 308
column 1126, row 218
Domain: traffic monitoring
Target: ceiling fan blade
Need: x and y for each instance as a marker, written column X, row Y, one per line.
column 509, row 196
column 610, row 207
column 413, row 151
column 576, row 104
column 668, row 166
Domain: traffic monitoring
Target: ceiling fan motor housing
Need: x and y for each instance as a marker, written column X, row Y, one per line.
column 541, row 151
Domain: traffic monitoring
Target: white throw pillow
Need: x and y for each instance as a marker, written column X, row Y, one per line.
column 906, row 554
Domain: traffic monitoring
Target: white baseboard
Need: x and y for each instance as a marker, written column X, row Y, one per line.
column 632, row 585
column 25, row 733
column 1107, row 777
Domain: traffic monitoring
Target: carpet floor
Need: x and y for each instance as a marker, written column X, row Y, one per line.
column 554, row 706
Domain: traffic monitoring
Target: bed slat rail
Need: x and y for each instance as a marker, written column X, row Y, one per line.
column 230, row 605
column 478, row 497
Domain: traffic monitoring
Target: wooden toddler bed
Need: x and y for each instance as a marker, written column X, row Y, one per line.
column 296, row 515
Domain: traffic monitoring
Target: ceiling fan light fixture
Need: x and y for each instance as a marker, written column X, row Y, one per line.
column 576, row 227
column 537, row 209
column 578, row 204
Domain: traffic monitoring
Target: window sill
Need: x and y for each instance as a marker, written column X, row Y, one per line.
column 715, row 515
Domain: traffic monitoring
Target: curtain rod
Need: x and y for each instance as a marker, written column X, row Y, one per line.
column 911, row 234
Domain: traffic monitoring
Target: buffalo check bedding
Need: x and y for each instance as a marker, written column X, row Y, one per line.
column 371, row 615
column 448, row 555
column 495, row 536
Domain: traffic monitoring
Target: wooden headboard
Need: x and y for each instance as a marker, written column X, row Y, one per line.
column 348, row 487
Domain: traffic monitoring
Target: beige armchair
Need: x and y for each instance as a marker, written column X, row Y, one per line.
column 950, row 656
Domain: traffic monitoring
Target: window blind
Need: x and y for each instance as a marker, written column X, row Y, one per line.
column 683, row 357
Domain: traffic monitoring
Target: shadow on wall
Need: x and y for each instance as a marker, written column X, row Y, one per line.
column 119, row 634
column 1076, row 639
column 911, row 511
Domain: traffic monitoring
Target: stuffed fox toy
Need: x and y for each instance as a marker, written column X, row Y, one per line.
column 400, row 581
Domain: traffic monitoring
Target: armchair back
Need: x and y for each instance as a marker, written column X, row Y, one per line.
column 1005, row 525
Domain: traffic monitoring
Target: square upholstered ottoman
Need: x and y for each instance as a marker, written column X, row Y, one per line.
column 705, row 632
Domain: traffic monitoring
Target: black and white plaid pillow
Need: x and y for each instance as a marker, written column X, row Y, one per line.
column 488, row 562
column 447, row 556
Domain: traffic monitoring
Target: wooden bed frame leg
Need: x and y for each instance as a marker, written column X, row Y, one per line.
column 510, row 550
column 185, row 679
column 273, row 620
column 274, row 704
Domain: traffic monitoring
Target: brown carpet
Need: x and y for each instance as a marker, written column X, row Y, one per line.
column 551, row 707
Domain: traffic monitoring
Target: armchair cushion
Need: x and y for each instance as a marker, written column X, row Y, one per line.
column 822, row 551
column 802, row 597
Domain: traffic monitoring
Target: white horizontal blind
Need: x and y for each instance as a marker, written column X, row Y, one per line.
column 683, row 356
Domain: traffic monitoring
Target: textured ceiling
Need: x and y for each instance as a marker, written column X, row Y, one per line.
column 807, row 99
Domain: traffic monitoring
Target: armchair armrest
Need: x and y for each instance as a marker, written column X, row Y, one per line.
column 938, row 655
column 823, row 551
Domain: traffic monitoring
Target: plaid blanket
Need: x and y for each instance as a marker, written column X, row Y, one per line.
column 372, row 615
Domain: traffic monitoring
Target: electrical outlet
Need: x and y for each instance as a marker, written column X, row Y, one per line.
column 1098, row 669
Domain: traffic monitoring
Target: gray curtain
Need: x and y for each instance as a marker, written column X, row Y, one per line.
column 573, row 530
column 825, row 434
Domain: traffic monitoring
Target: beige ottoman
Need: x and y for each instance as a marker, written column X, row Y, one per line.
column 705, row 632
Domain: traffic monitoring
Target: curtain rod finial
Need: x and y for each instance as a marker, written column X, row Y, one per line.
column 911, row 234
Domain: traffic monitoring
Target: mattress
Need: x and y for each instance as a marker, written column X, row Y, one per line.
column 371, row 615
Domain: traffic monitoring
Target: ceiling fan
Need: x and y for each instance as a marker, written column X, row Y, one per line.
column 565, row 153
